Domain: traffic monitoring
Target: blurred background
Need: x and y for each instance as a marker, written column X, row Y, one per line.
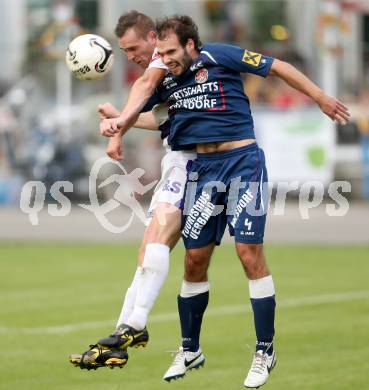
column 48, row 120
column 62, row 280
column 49, row 124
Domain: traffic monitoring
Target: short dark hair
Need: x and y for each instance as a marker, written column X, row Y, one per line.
column 183, row 26
column 141, row 23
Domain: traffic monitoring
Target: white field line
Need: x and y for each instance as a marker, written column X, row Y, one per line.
column 211, row 312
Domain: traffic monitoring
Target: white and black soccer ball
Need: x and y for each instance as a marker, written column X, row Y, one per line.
column 89, row 57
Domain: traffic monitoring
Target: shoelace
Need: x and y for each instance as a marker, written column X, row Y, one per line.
column 259, row 363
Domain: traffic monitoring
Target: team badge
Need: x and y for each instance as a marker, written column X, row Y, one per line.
column 251, row 58
column 202, row 76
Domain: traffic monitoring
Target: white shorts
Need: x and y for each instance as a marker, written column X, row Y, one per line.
column 171, row 186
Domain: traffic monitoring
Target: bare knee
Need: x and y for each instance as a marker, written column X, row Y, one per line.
column 166, row 235
column 166, row 230
column 253, row 260
column 196, row 265
column 157, row 233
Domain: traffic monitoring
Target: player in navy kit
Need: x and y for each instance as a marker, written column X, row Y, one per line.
column 210, row 112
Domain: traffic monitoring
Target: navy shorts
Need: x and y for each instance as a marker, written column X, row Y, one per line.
column 226, row 188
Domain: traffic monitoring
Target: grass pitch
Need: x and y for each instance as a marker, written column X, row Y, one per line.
column 57, row 299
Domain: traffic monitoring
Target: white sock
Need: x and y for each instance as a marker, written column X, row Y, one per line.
column 129, row 299
column 190, row 289
column 262, row 288
column 155, row 269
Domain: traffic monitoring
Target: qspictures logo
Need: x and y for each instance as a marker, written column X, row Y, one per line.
column 251, row 198
column 34, row 194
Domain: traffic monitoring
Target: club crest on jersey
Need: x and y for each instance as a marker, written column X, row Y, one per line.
column 251, row 58
column 202, row 76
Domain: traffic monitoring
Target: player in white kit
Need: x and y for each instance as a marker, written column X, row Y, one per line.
column 137, row 37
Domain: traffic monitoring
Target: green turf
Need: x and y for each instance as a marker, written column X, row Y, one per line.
column 320, row 344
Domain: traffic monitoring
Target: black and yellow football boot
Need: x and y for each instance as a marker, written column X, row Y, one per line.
column 126, row 337
column 100, row 356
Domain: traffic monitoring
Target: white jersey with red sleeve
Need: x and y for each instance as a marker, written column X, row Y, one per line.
column 156, row 61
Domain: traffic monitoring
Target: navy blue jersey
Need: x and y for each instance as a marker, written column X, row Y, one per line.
column 207, row 103
column 164, row 129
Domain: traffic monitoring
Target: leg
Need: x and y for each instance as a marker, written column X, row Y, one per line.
column 192, row 303
column 194, row 296
column 160, row 237
column 149, row 278
column 158, row 240
column 130, row 296
column 252, row 260
column 201, row 230
column 262, row 296
column 262, row 293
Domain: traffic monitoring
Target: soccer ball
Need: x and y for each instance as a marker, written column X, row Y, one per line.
column 89, row 57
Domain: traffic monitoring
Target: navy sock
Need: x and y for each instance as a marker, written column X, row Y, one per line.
column 191, row 311
column 264, row 311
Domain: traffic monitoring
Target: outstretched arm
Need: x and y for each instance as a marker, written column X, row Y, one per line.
column 142, row 89
column 329, row 105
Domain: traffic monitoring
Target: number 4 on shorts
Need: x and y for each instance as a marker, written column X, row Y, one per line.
column 248, row 224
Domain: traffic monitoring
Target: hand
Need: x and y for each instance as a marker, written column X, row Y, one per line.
column 107, row 110
column 110, row 127
column 115, row 148
column 335, row 109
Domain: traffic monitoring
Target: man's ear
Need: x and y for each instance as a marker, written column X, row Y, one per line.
column 151, row 37
column 190, row 45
